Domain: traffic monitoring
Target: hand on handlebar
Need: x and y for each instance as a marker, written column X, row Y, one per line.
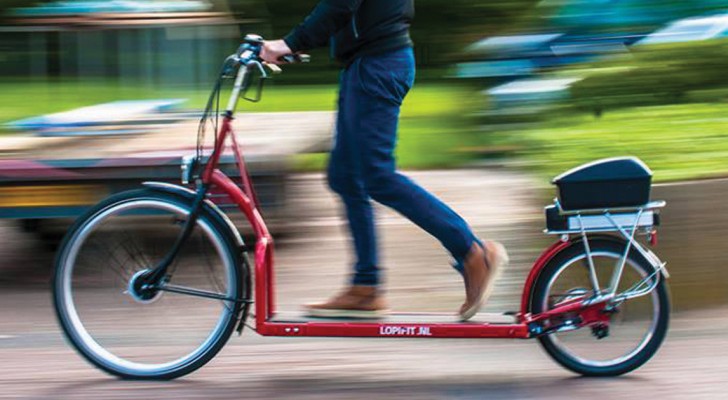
column 274, row 51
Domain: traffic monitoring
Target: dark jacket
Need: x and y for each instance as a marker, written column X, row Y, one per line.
column 358, row 27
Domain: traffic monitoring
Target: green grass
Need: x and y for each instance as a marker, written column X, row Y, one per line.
column 434, row 126
column 26, row 99
column 679, row 142
column 684, row 141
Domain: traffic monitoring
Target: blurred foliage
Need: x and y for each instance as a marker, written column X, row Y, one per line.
column 7, row 4
column 663, row 103
column 434, row 128
column 679, row 142
column 653, row 75
column 611, row 15
column 441, row 30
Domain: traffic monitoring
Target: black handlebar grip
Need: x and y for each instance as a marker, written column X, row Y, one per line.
column 295, row 58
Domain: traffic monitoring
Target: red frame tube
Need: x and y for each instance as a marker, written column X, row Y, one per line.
column 264, row 277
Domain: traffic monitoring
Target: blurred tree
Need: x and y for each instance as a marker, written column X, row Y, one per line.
column 655, row 75
column 597, row 15
column 6, row 4
column 442, row 27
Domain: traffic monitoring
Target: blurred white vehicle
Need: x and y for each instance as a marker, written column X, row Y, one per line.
column 690, row 29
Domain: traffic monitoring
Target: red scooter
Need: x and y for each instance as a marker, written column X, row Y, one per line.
column 151, row 283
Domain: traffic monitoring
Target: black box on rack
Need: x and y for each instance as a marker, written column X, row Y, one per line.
column 610, row 183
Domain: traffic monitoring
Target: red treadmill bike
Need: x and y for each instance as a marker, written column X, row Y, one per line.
column 151, row 283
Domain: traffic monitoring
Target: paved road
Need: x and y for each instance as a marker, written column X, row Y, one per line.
column 36, row 363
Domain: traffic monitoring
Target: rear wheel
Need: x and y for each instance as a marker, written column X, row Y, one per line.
column 136, row 332
column 637, row 326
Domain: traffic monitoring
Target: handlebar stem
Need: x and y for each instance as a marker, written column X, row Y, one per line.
column 246, row 59
column 237, row 89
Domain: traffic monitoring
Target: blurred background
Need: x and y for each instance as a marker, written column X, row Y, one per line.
column 99, row 96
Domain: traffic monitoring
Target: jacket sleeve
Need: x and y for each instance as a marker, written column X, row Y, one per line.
column 329, row 17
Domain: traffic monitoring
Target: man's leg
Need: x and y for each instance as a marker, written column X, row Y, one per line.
column 384, row 81
column 361, row 299
column 345, row 178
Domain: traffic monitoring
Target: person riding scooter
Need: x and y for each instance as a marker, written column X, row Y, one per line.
column 371, row 39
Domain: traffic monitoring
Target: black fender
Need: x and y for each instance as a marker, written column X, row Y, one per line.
column 224, row 221
column 210, row 207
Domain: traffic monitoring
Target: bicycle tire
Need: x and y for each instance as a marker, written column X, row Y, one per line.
column 238, row 285
column 656, row 336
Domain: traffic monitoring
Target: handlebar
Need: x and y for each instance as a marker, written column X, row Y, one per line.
column 295, row 58
column 247, row 59
column 248, row 54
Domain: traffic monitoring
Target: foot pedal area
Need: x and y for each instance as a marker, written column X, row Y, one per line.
column 400, row 318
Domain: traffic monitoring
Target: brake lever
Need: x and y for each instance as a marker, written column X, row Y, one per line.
column 261, row 68
column 261, row 81
column 274, row 69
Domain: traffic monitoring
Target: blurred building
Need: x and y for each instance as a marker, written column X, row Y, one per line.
column 157, row 43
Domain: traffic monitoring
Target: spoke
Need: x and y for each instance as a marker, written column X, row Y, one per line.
column 121, row 270
column 214, row 281
column 211, row 276
column 135, row 253
column 198, row 293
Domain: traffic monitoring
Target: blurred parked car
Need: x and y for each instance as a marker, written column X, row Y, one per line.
column 508, row 57
column 690, row 29
column 512, row 65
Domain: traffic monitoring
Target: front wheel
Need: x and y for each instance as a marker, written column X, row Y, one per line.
column 637, row 326
column 139, row 333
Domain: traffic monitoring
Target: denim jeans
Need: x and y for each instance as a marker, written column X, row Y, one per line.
column 362, row 165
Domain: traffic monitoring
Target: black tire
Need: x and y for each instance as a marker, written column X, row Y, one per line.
column 650, row 344
column 239, row 285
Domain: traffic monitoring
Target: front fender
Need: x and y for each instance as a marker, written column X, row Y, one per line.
column 215, row 212
column 211, row 207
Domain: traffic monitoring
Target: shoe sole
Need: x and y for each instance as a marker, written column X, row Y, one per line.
column 500, row 262
column 346, row 314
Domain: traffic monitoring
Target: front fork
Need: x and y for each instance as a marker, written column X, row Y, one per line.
column 157, row 276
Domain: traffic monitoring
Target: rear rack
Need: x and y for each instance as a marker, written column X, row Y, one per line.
column 602, row 220
column 627, row 222
column 654, row 205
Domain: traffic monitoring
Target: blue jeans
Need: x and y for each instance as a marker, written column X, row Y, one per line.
column 362, row 164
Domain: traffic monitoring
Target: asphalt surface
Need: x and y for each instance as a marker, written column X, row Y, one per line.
column 35, row 361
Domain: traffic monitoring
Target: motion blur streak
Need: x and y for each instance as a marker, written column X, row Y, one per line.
column 99, row 96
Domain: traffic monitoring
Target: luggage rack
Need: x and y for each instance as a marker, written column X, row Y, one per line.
column 566, row 222
column 627, row 222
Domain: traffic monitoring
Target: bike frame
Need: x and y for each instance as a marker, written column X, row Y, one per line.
column 525, row 325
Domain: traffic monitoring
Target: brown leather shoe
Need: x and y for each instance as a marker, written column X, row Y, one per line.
column 482, row 268
column 355, row 302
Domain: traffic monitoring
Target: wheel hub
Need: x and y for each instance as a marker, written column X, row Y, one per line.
column 600, row 331
column 142, row 291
